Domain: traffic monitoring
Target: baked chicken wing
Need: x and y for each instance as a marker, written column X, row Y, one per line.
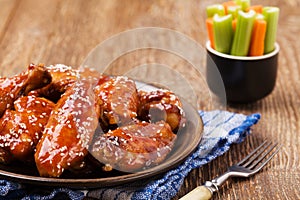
column 134, row 147
column 21, row 128
column 11, row 88
column 63, row 77
column 161, row 105
column 118, row 100
column 69, row 130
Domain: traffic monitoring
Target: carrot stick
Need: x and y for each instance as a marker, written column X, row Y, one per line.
column 227, row 4
column 256, row 8
column 234, row 24
column 258, row 38
column 210, row 31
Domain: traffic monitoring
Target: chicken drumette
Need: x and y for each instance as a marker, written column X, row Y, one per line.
column 35, row 77
column 118, row 101
column 21, row 128
column 63, row 77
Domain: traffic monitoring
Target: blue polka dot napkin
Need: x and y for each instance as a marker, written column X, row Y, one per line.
column 221, row 129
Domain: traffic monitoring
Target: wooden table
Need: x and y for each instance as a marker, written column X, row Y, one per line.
column 53, row 31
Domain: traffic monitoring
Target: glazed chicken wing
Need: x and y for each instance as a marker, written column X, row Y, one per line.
column 63, row 77
column 161, row 105
column 69, row 130
column 134, row 147
column 35, row 77
column 118, row 100
column 21, row 128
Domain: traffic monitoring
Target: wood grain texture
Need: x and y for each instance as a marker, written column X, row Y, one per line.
column 54, row 31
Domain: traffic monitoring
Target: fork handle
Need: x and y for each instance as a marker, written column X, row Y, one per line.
column 199, row 193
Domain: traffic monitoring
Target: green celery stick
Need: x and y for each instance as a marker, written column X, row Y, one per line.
column 260, row 16
column 215, row 9
column 234, row 10
column 243, row 3
column 223, row 33
column 271, row 16
column 242, row 36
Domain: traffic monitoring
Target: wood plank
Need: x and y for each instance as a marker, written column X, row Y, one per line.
column 27, row 35
column 7, row 12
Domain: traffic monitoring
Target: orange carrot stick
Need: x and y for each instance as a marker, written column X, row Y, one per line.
column 210, row 31
column 258, row 37
column 227, row 4
column 234, row 24
column 256, row 8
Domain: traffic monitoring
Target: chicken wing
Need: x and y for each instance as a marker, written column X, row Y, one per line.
column 69, row 130
column 21, row 128
column 63, row 77
column 118, row 100
column 161, row 105
column 134, row 147
column 35, row 77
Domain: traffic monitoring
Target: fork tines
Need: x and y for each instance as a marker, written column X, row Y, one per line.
column 260, row 156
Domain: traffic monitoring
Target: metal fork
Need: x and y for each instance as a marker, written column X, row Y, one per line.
column 250, row 165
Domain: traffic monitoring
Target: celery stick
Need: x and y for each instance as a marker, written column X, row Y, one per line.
column 242, row 36
column 223, row 33
column 271, row 16
column 234, row 10
column 243, row 3
column 215, row 9
column 260, row 16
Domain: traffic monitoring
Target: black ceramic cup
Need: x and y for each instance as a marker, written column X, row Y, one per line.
column 246, row 79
